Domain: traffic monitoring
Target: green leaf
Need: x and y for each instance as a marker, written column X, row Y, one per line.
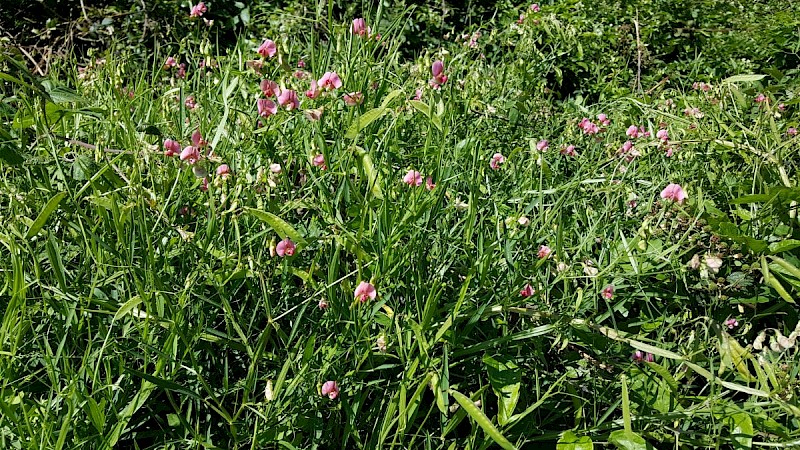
column 505, row 378
column 783, row 246
column 51, row 206
column 364, row 120
column 741, row 429
column 628, row 440
column 9, row 154
column 390, row 96
column 369, row 170
column 743, row 78
column 126, row 307
column 478, row 416
column 570, row 441
column 279, row 225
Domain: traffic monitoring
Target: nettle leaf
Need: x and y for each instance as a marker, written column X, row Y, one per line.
column 505, row 378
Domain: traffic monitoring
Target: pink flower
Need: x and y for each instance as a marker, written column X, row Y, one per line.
column 266, row 107
column 496, row 161
column 418, row 95
column 181, row 71
column 313, row 92
column 542, row 145
column 526, row 291
column 323, row 304
column 319, row 161
column 638, row 356
column 204, row 184
column 330, row 389
column 604, row 119
column 198, row 10
column 429, row 184
column 413, row 178
column 365, row 291
column 632, row 131
column 171, row 148
column 535, row 7
column 521, row 19
column 190, row 103
column 313, row 114
column 170, row 63
column 275, row 168
column 223, row 171
column 544, row 252
column 608, row 292
column 197, row 139
column 299, row 74
column 329, row 81
column 588, row 126
column 268, row 48
column 190, row 155
column 760, row 98
column 269, row 88
column 781, row 107
column 285, row 247
column 439, row 78
column 674, row 192
column 353, row 99
column 568, row 150
column 360, row 28
column 627, row 146
column 663, row 135
column 301, row 64
column 731, row 323
column 792, row 131
column 288, row 99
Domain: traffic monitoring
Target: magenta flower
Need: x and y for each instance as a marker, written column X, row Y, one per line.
column 542, row 145
column 223, row 171
column 792, row 131
column 198, row 10
column 171, row 148
column 319, row 161
column 353, row 98
column 285, row 247
column 439, row 78
column 663, row 135
column 429, row 184
column 288, row 99
column 365, row 291
column 329, row 81
column 413, row 178
column 268, row 48
column 323, row 304
column 632, row 131
column 360, row 28
column 204, row 184
column 418, row 95
column 608, row 292
column 170, row 63
column 568, row 151
column 544, row 252
column 190, row 155
column 301, row 64
column 330, row 389
column 638, row 356
column 674, row 192
column 760, row 98
column 197, row 139
column 496, row 161
column 535, row 7
column 588, row 126
column 266, row 107
column 604, row 119
column 269, row 88
column 731, row 323
column 526, row 291
column 313, row 92
column 181, row 71
column 190, row 103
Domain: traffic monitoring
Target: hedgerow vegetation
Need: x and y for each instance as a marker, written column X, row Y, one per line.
column 409, row 225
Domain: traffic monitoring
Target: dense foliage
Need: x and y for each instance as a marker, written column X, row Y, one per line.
column 569, row 224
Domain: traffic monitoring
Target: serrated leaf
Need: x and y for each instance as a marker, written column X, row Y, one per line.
column 364, row 120
column 279, row 225
column 480, row 418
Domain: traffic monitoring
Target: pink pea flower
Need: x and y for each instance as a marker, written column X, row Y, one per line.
column 323, row 304
column 190, row 155
column 269, row 88
column 313, row 92
column 319, row 161
column 198, row 10
column 638, row 356
column 521, row 19
column 365, row 291
column 588, row 126
column 268, row 48
column 330, row 389
column 301, row 64
column 288, row 99
column 568, row 151
column 663, row 135
column 413, row 178
column 418, row 95
column 266, row 107
column 792, row 131
column 223, row 171
column 535, row 7
column 496, row 161
column 632, row 131
column 181, row 71
column 731, row 323
column 674, row 192
column 285, row 247
column 170, row 63
column 190, row 103
column 275, row 168
column 353, row 98
column 542, row 145
column 197, row 139
column 360, row 28
column 429, row 184
column 299, row 74
column 526, row 291
column 313, row 114
column 204, row 184
column 439, row 78
column 604, row 119
column 329, row 81
column 760, row 98
column 171, row 148
column 608, row 292
column 544, row 252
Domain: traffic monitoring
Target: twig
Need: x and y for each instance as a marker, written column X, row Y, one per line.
column 638, row 53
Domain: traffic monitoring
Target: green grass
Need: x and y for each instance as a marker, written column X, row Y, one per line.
column 142, row 312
